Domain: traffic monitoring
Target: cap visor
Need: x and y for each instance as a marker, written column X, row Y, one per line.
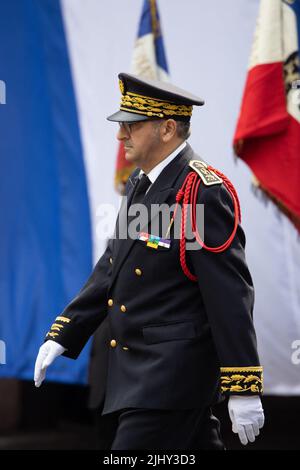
column 123, row 116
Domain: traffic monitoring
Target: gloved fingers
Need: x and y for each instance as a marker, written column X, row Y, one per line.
column 39, row 372
column 52, row 354
column 234, row 428
column 249, row 432
column 261, row 420
column 40, row 378
column 242, row 435
column 39, row 364
column 255, row 428
column 231, row 414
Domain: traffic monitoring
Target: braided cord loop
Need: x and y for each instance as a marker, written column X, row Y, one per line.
column 188, row 195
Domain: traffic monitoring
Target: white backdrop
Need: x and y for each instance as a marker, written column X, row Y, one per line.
column 208, row 45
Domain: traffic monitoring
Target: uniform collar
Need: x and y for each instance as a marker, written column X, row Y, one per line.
column 155, row 172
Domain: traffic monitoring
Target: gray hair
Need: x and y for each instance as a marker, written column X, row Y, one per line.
column 183, row 129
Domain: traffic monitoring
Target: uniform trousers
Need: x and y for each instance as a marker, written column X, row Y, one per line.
column 144, row 429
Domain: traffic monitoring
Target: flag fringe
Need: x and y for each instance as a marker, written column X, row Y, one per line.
column 268, row 196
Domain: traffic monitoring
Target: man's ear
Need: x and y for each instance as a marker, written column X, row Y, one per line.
column 168, row 130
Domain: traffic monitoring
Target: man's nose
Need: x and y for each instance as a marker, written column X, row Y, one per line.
column 122, row 134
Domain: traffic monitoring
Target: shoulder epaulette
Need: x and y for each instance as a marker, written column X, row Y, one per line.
column 208, row 176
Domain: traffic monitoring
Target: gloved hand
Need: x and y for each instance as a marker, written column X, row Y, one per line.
column 247, row 416
column 49, row 351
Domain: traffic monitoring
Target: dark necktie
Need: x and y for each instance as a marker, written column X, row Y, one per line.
column 140, row 190
column 138, row 196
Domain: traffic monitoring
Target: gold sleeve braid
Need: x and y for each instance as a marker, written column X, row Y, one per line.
column 242, row 380
column 57, row 326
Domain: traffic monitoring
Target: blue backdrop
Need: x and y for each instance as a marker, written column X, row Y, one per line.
column 45, row 250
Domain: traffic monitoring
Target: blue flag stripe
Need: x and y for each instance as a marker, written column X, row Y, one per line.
column 46, row 249
column 296, row 7
column 146, row 25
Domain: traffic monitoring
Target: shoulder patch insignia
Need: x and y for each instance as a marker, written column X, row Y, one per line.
column 208, row 176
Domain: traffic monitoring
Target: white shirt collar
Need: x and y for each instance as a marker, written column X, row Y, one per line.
column 155, row 172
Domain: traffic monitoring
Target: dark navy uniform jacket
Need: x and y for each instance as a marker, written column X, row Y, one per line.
column 174, row 343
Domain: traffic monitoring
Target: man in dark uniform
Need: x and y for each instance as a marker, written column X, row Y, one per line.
column 180, row 317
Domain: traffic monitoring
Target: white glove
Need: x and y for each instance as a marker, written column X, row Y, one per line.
column 247, row 416
column 49, row 351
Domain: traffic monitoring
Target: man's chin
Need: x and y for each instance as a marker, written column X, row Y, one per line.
column 129, row 154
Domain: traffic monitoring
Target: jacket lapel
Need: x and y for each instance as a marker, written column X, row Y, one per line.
column 121, row 222
column 157, row 194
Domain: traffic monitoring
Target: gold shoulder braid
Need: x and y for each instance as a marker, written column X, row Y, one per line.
column 242, row 379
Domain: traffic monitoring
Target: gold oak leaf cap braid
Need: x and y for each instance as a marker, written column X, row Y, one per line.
column 144, row 99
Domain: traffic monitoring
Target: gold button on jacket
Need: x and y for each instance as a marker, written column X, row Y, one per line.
column 166, row 356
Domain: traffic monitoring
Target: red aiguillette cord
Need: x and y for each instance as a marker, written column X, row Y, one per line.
column 188, row 192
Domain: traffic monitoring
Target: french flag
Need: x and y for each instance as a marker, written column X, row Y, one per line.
column 267, row 135
column 148, row 61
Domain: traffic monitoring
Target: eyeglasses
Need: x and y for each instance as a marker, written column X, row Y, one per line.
column 127, row 126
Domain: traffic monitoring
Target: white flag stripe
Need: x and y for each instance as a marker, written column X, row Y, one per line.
column 273, row 245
